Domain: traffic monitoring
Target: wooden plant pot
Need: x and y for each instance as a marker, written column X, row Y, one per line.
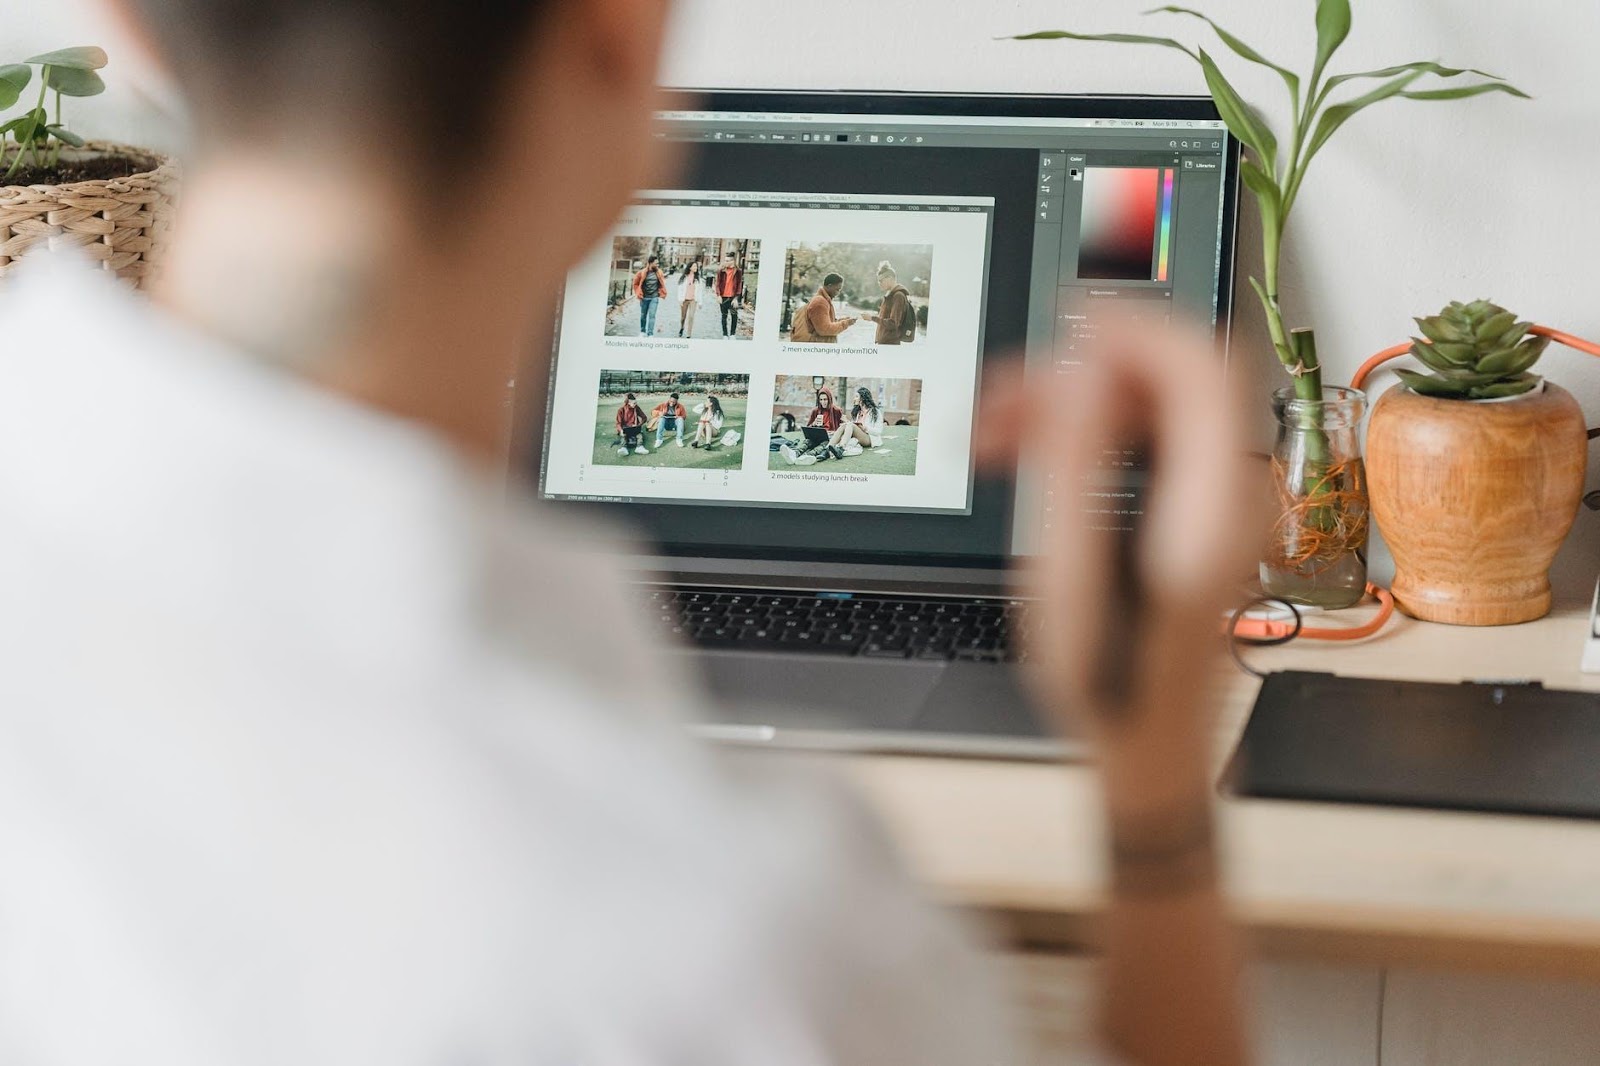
column 1474, row 499
column 121, row 223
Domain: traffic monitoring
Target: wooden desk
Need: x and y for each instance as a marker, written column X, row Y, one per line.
column 1365, row 885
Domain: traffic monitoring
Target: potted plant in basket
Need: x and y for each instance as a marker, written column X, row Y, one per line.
column 112, row 201
column 1477, row 470
column 1317, row 551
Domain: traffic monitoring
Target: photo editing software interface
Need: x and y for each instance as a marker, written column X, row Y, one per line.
column 800, row 331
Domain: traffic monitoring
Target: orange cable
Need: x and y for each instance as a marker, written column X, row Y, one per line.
column 1274, row 629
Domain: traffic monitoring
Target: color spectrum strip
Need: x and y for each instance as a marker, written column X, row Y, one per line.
column 1166, row 224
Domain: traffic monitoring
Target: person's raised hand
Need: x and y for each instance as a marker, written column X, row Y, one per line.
column 1164, row 389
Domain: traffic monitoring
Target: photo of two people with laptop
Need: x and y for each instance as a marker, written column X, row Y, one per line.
column 868, row 425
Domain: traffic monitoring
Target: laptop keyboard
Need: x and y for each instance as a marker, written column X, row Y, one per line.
column 848, row 624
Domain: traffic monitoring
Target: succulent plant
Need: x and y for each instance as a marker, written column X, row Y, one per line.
column 1477, row 351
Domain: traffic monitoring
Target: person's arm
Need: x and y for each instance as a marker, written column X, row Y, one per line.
column 833, row 326
column 1171, row 979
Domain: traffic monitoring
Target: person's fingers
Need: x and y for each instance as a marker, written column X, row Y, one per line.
column 1074, row 570
column 1195, row 522
column 1002, row 416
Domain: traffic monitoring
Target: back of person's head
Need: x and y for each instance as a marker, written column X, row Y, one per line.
column 458, row 110
column 831, row 280
column 431, row 65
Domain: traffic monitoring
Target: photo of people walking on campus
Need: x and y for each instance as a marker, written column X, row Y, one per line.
column 688, row 288
column 671, row 418
column 856, row 425
column 856, row 294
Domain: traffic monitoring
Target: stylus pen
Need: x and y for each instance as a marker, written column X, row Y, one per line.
column 1112, row 680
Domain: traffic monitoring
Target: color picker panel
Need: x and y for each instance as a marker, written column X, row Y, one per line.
column 1122, row 220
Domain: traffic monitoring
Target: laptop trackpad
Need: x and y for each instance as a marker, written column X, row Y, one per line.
column 983, row 699
column 818, row 692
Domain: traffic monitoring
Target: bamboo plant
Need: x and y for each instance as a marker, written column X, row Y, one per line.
column 1277, row 165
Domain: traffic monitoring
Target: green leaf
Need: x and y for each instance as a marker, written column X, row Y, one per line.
column 1462, row 92
column 1268, row 198
column 1113, row 38
column 18, row 74
column 1261, row 294
column 1523, row 383
column 1495, row 327
column 1427, row 385
column 66, row 136
column 1244, row 51
column 1339, row 114
column 1515, row 333
column 1516, row 359
column 1438, row 70
column 1240, row 119
column 1333, row 26
column 30, row 125
column 1266, row 190
column 70, row 81
column 1449, row 354
column 1440, row 330
column 87, row 57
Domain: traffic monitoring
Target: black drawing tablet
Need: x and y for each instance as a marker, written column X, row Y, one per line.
column 1496, row 748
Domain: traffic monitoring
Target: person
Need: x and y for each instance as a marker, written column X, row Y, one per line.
column 649, row 285
column 316, row 748
column 669, row 415
column 630, row 422
column 896, row 317
column 823, row 421
column 816, row 323
column 863, row 430
column 686, row 293
column 730, row 289
column 711, row 420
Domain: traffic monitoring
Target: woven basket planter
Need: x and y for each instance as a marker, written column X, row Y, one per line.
column 121, row 223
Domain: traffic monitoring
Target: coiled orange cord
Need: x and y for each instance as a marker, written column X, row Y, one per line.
column 1272, row 629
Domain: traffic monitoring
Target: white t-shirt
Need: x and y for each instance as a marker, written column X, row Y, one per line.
column 314, row 751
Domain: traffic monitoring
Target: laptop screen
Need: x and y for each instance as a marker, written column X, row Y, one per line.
column 783, row 356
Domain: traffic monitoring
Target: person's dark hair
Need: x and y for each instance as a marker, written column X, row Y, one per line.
column 653, row 259
column 674, row 396
column 833, row 279
column 630, row 396
column 864, row 395
column 716, row 405
column 242, row 62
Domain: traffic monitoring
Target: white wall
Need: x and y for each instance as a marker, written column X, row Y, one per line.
column 1414, row 204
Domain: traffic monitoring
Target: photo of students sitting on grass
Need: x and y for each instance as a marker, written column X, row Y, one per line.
column 860, row 425
column 683, row 288
column 671, row 419
column 856, row 294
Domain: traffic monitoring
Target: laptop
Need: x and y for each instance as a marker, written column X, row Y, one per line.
column 772, row 372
